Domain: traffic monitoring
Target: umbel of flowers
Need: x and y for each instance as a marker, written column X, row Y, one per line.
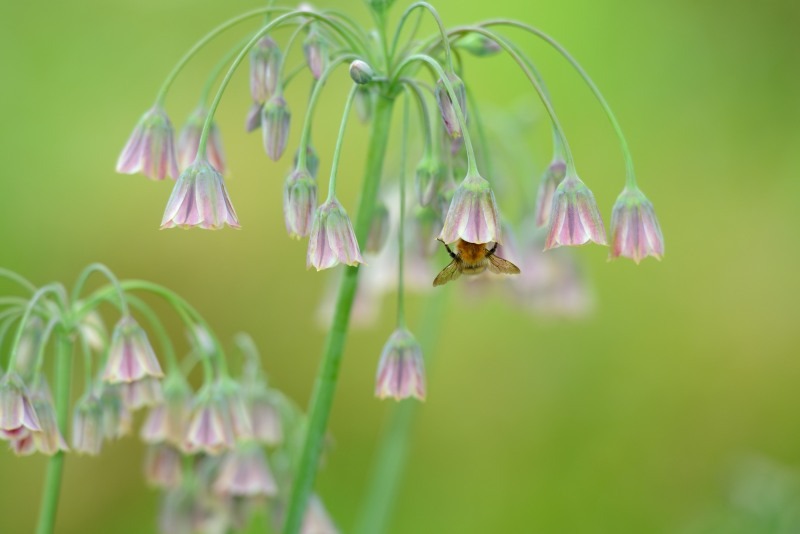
column 454, row 202
column 220, row 451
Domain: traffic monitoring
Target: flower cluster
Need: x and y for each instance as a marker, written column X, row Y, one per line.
column 218, row 452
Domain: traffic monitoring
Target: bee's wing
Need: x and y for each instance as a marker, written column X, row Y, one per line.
column 451, row 272
column 498, row 265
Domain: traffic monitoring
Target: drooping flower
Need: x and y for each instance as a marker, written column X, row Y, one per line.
column 553, row 176
column 168, row 421
column 574, row 219
column 635, row 232
column 130, row 356
column 163, row 466
column 87, row 426
column 189, row 141
column 473, row 215
column 379, row 228
column 446, row 106
column 200, row 199
column 117, row 418
column 17, row 414
column 401, row 371
column 150, row 149
column 332, row 240
column 275, row 122
column 252, row 121
column 244, row 473
column 265, row 418
column 48, row 440
column 233, row 402
column 29, row 346
column 140, row 394
column 299, row 203
column 315, row 49
column 219, row 419
column 265, row 61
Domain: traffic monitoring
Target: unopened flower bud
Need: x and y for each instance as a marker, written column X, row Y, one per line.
column 361, row 72
column 635, row 232
column 252, row 121
column 401, row 371
column 209, row 430
column 17, row 414
column 379, row 228
column 446, row 106
column 315, row 50
column 189, row 140
column 150, row 149
column 473, row 215
column 200, row 199
column 87, row 426
column 553, row 176
column 275, row 121
column 265, row 61
column 299, row 203
column 363, row 102
column 575, row 218
column 332, row 240
column 478, row 45
column 130, row 356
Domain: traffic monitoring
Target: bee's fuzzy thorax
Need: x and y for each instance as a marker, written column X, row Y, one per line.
column 471, row 252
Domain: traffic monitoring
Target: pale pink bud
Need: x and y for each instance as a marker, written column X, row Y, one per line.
column 142, row 393
column 49, row 439
column 401, row 371
column 244, row 473
column 169, row 421
column 361, row 72
column 446, row 107
column 252, row 121
column 299, row 203
column 265, row 61
column 275, row 122
column 635, row 232
column 200, row 199
column 332, row 240
column 189, row 141
column 315, row 49
column 553, row 176
column 163, row 466
column 17, row 414
column 130, row 356
column 473, row 214
column 150, row 149
column 87, row 426
column 574, row 219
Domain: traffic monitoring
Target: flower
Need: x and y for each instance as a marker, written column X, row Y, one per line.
column 144, row 392
column 168, row 421
column 332, row 240
column 446, row 107
column 150, row 149
column 635, row 232
column 232, row 398
column 130, row 356
column 244, row 473
column 48, row 440
column 200, row 199
column 299, row 203
column 574, row 219
column 547, row 187
column 428, row 179
column 265, row 62
column 252, row 121
column 87, row 426
column 401, row 371
column 361, row 72
column 28, row 346
column 117, row 418
column 162, row 466
column 363, row 102
column 220, row 418
column 189, row 140
column 473, row 214
column 93, row 331
column 275, row 121
column 266, row 421
column 379, row 229
column 17, row 414
column 315, row 50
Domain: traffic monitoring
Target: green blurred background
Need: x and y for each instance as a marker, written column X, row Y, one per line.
column 637, row 419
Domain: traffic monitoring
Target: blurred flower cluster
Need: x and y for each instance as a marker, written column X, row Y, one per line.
column 219, row 451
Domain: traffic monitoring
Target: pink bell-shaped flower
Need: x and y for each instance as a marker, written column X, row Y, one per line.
column 574, row 219
column 635, row 232
column 473, row 215
column 200, row 199
column 401, row 371
column 332, row 240
column 150, row 149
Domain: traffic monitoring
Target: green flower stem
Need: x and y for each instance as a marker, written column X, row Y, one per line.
column 100, row 268
column 217, row 70
column 40, row 293
column 337, row 152
column 630, row 175
column 162, row 92
column 442, row 32
column 392, row 451
column 411, row 36
column 472, row 165
column 289, row 43
column 325, row 386
column 161, row 332
column 21, row 280
column 401, row 238
column 305, row 136
column 48, row 330
column 425, row 120
column 55, row 466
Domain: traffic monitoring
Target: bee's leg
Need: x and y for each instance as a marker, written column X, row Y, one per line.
column 452, row 254
column 492, row 250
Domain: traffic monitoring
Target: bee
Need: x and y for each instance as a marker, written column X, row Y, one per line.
column 473, row 258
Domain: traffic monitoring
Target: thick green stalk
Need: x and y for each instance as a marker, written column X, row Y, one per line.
column 325, row 386
column 392, row 451
column 55, row 467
